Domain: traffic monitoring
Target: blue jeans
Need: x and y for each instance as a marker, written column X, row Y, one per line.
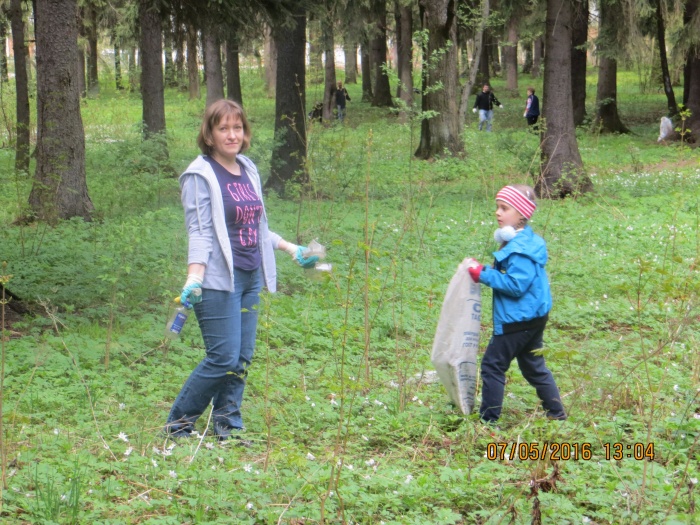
column 502, row 349
column 341, row 113
column 228, row 321
column 485, row 115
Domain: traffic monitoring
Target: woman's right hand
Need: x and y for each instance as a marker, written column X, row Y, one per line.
column 192, row 290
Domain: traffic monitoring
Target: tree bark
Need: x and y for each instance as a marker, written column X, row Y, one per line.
column 93, row 83
column 151, row 56
column 579, row 38
column 213, row 68
column 537, row 53
column 476, row 63
column 21, row 86
column 168, row 65
column 117, row 62
column 288, row 162
column 607, row 118
column 131, row 69
column 350, row 51
column 233, row 70
column 527, row 65
column 378, row 48
column 60, row 187
column 561, row 168
column 4, row 72
column 661, row 37
column 692, row 81
column 483, row 75
column 404, row 58
column 366, row 65
column 315, row 53
column 442, row 130
column 192, row 65
column 328, row 44
column 270, row 53
column 510, row 53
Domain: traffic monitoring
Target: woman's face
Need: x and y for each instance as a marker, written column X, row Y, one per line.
column 227, row 137
column 506, row 215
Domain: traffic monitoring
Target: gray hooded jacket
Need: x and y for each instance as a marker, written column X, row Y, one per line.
column 206, row 226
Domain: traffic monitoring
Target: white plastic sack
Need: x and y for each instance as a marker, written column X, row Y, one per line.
column 665, row 129
column 457, row 339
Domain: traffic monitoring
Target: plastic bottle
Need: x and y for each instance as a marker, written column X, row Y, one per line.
column 319, row 270
column 178, row 317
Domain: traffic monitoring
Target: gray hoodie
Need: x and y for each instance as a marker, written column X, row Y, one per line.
column 206, row 226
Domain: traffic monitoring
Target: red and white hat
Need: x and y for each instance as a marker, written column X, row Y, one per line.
column 517, row 200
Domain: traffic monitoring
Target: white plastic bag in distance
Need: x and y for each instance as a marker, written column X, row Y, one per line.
column 456, row 340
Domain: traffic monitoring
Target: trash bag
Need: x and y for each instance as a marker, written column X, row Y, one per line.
column 457, row 339
column 665, row 129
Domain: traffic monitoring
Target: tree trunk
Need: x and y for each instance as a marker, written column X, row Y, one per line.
column 93, row 83
column 661, row 36
column 527, row 65
column 579, row 37
column 510, row 54
column 607, row 118
column 561, row 169
column 315, row 53
column 382, row 89
column 692, row 81
column 117, row 63
column 21, row 86
column 328, row 43
column 151, row 57
column 233, row 71
column 476, row 63
column 483, row 75
column 192, row 66
column 60, row 187
column 404, row 58
column 442, row 130
column 270, row 53
column 179, row 44
column 366, row 65
column 537, row 53
column 4, row 72
column 288, row 162
column 213, row 69
column 350, row 50
column 168, row 66
column 131, row 70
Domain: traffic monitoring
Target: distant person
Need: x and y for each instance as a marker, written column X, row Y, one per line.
column 230, row 257
column 484, row 103
column 532, row 107
column 521, row 304
column 341, row 95
column 316, row 112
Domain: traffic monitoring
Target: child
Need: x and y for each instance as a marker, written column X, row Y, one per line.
column 521, row 304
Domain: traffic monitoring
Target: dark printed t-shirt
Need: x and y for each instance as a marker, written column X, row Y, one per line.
column 242, row 208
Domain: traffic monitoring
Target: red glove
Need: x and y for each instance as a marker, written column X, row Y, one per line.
column 475, row 272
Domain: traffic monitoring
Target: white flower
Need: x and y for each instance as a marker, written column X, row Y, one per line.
column 209, row 446
column 172, row 474
column 310, row 456
column 55, row 431
column 349, row 467
column 377, row 402
column 154, row 463
column 694, row 481
column 249, row 506
column 676, row 388
column 370, row 462
column 128, row 451
column 123, row 437
column 122, row 406
column 408, row 479
column 248, row 467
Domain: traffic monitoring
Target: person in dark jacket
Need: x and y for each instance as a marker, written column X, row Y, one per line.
column 341, row 95
column 532, row 107
column 484, row 104
column 521, row 304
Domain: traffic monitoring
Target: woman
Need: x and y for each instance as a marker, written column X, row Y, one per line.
column 230, row 255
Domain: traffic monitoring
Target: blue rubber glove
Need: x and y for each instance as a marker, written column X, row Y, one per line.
column 192, row 291
column 304, row 262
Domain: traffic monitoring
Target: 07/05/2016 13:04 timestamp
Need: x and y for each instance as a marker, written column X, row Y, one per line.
column 568, row 451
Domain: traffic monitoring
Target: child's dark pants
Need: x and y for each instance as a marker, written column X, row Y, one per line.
column 502, row 349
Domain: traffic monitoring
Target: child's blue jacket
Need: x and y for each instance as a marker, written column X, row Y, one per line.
column 519, row 281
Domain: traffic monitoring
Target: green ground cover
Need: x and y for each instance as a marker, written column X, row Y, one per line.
column 347, row 422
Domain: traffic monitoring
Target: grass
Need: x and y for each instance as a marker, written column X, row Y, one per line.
column 346, row 421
